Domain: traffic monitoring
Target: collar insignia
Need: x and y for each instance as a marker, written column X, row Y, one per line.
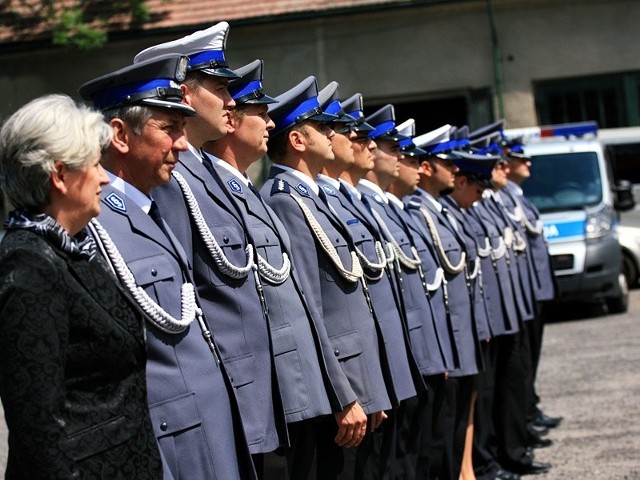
column 116, row 201
column 377, row 197
column 303, row 189
column 234, row 185
column 329, row 190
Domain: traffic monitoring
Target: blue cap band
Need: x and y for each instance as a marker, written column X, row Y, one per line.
column 334, row 108
column 208, row 56
column 246, row 89
column 356, row 114
column 115, row 96
column 308, row 106
column 383, row 128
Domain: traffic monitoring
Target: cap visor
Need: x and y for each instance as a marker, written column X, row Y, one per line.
column 414, row 152
column 362, row 127
column 219, row 72
column 266, row 99
column 181, row 107
column 323, row 117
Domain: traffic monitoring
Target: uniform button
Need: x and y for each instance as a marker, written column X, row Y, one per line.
column 336, row 352
column 225, row 239
column 163, row 426
column 154, row 272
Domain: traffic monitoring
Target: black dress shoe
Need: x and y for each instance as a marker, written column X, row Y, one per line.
column 539, row 442
column 499, row 474
column 532, row 468
column 506, row 475
column 542, row 420
column 537, row 429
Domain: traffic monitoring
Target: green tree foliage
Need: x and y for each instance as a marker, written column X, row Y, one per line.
column 82, row 24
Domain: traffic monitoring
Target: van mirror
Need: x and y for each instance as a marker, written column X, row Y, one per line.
column 624, row 196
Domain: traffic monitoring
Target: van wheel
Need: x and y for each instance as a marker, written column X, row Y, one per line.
column 629, row 268
column 620, row 304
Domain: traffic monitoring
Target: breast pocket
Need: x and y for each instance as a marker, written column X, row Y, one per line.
column 267, row 244
column 342, row 250
column 232, row 243
column 157, row 275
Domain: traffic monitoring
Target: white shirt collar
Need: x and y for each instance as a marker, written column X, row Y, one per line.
column 353, row 190
column 230, row 168
column 366, row 183
column 306, row 179
column 331, row 181
column 194, row 151
column 139, row 198
column 395, row 200
column 435, row 202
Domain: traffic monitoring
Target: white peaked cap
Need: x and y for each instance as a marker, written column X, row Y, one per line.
column 407, row 128
column 212, row 38
column 438, row 135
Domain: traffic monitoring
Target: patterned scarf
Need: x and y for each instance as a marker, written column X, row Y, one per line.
column 80, row 246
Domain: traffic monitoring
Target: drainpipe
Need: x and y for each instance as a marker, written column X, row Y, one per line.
column 497, row 59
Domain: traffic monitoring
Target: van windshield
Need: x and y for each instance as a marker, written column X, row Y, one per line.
column 568, row 181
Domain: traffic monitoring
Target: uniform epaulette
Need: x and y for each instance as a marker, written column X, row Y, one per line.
column 280, row 186
column 414, row 204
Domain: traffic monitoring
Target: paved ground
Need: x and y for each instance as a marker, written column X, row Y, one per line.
column 590, row 374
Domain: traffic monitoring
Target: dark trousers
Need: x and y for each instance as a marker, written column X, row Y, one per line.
column 484, row 437
column 535, row 329
column 512, row 391
column 443, row 428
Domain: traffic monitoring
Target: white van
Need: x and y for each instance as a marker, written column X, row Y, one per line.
column 572, row 185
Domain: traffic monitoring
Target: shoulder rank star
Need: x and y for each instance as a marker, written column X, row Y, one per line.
column 116, row 201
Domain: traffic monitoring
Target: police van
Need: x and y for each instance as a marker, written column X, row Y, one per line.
column 572, row 185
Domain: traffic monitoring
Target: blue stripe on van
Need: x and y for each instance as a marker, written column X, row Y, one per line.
column 555, row 231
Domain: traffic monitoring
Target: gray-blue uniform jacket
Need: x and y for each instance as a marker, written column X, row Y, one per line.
column 340, row 303
column 299, row 363
column 519, row 263
column 498, row 288
column 529, row 219
column 474, row 267
column 402, row 365
column 429, row 333
column 193, row 409
column 231, row 305
column 460, row 306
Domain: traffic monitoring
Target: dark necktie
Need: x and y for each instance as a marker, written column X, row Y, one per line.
column 154, row 213
column 207, row 163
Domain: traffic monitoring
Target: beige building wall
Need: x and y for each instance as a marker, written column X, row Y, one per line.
column 397, row 55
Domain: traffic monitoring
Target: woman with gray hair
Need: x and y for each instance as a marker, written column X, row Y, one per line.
column 72, row 350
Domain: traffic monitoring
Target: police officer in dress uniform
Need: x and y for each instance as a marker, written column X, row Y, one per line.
column 330, row 273
column 473, row 176
column 512, row 449
column 214, row 236
column 297, row 341
column 526, row 213
column 193, row 409
column 378, row 456
column 419, row 281
column 437, row 176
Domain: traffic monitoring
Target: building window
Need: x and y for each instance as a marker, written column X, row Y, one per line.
column 610, row 100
